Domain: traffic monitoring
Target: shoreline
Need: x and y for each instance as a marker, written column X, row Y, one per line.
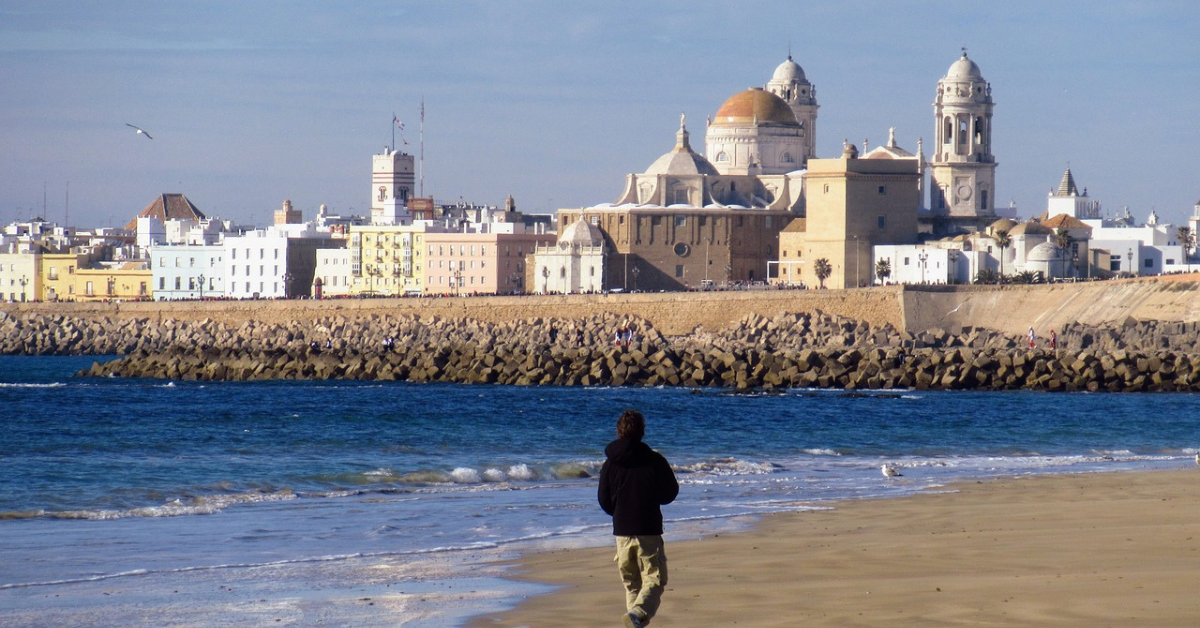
column 1071, row 550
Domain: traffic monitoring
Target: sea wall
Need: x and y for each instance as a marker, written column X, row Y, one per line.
column 1010, row 309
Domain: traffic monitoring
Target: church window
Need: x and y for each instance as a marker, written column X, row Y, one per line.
column 680, row 221
column 722, row 156
column 948, row 131
column 883, row 189
column 983, row 199
column 882, row 222
column 679, row 271
column 787, row 158
column 962, row 131
column 978, row 130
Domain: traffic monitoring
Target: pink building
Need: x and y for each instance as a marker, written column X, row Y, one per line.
column 479, row 263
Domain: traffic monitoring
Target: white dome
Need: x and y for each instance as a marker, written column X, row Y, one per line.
column 1044, row 252
column 789, row 71
column 581, row 232
column 964, row 68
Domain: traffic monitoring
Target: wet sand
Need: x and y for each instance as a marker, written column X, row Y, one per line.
column 1087, row 551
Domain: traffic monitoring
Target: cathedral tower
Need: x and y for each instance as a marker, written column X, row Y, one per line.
column 790, row 84
column 392, row 183
column 963, row 169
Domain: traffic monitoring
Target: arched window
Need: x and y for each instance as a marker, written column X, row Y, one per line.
column 382, row 193
column 948, row 131
column 979, row 131
column 787, row 159
column 722, row 157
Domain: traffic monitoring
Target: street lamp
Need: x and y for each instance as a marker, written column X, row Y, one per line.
column 23, row 282
column 1129, row 264
column 857, row 280
column 287, row 284
column 201, row 286
column 636, row 271
column 545, row 280
column 923, row 256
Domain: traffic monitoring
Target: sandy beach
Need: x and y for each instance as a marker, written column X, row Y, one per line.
column 1085, row 550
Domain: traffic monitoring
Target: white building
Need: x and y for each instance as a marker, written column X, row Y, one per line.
column 187, row 271
column 573, row 264
column 332, row 275
column 277, row 262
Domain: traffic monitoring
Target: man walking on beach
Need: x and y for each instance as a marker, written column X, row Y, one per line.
column 634, row 482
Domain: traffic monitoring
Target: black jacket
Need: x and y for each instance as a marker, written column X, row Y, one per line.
column 634, row 482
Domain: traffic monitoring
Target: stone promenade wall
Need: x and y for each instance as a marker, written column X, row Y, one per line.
column 670, row 313
column 1009, row 309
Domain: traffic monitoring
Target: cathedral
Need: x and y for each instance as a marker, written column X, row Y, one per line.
column 694, row 220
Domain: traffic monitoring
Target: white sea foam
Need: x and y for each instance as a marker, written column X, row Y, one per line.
column 466, row 475
column 17, row 385
column 199, row 505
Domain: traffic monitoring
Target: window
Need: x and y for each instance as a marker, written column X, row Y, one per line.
column 882, row 222
column 162, row 283
column 679, row 271
column 906, row 261
column 883, row 189
column 680, row 221
column 983, row 199
column 1148, row 262
column 722, row 156
column 178, row 284
column 88, row 290
column 191, row 262
column 827, row 188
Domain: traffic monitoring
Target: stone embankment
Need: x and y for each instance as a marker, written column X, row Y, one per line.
column 790, row 350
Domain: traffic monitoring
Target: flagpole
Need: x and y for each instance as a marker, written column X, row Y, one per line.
column 422, row 193
column 393, row 131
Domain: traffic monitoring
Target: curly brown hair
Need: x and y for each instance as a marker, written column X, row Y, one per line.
column 631, row 424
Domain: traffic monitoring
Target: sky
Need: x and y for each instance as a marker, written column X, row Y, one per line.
column 252, row 102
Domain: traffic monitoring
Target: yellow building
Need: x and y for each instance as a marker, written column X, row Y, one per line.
column 57, row 272
column 386, row 260
column 114, row 281
column 853, row 204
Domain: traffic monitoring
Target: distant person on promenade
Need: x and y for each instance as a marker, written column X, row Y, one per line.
column 1032, row 338
column 1053, row 340
column 635, row 482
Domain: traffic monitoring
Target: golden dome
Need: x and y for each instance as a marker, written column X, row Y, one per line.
column 754, row 105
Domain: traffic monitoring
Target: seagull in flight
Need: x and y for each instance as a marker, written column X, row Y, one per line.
column 140, row 131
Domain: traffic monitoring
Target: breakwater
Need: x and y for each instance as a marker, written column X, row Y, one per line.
column 790, row 350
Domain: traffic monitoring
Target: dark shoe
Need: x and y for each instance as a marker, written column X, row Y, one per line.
column 633, row 621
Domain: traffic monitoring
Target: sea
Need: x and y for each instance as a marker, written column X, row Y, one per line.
column 340, row 503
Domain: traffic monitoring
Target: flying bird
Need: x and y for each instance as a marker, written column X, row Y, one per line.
column 140, row 131
column 889, row 471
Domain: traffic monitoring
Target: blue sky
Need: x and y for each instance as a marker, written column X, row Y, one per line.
column 251, row 103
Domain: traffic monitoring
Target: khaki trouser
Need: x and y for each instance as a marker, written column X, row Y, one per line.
column 642, row 561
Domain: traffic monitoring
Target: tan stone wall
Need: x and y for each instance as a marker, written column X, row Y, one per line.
column 671, row 313
column 1010, row 309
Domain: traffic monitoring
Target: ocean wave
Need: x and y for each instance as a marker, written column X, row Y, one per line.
column 194, row 505
column 28, row 385
column 728, row 466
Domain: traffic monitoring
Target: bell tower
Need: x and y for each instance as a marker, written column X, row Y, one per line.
column 789, row 83
column 963, row 170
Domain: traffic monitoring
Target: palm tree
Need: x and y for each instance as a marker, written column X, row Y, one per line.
column 1062, row 242
column 1186, row 238
column 823, row 270
column 883, row 269
column 1003, row 240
